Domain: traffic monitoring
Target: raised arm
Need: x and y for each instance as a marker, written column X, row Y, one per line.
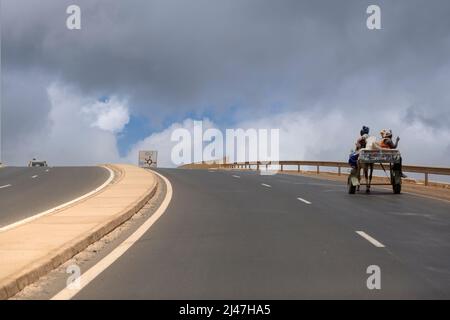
column 395, row 145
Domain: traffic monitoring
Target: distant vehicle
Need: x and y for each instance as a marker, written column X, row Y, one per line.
column 37, row 163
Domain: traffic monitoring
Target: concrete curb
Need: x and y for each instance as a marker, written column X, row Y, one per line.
column 38, row 268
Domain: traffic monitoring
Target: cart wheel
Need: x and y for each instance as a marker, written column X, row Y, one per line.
column 397, row 188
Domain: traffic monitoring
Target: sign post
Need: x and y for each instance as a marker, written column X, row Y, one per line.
column 148, row 159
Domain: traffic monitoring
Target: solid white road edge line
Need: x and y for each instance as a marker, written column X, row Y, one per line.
column 5, row 186
column 373, row 241
column 303, row 200
column 102, row 265
column 266, row 185
column 26, row 220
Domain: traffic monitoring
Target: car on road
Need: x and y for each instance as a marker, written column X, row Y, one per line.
column 37, row 163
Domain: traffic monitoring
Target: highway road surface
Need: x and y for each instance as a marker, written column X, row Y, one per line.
column 240, row 235
column 25, row 192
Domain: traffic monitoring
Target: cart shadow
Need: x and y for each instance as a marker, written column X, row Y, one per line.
column 376, row 192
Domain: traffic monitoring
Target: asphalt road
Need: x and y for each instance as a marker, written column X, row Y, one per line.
column 25, row 192
column 239, row 235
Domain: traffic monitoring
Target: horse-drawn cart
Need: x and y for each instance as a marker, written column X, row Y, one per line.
column 367, row 159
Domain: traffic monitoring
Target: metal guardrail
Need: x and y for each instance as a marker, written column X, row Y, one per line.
column 333, row 164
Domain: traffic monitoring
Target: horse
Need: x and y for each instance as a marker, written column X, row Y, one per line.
column 371, row 144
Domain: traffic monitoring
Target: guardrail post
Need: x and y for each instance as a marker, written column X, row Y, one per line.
column 318, row 170
column 426, row 178
column 339, row 170
column 281, row 167
column 298, row 168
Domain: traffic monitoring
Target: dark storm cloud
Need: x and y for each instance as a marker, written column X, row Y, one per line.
column 193, row 54
column 436, row 118
column 171, row 58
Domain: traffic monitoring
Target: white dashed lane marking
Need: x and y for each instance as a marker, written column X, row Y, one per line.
column 373, row 241
column 266, row 185
column 5, row 186
column 237, row 177
column 34, row 177
column 303, row 200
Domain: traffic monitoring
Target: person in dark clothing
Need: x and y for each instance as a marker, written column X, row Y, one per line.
column 362, row 140
column 361, row 143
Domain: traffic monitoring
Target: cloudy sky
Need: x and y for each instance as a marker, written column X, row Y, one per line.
column 138, row 69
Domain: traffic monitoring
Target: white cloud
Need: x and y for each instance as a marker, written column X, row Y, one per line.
column 81, row 130
column 111, row 115
column 71, row 139
column 331, row 136
column 161, row 142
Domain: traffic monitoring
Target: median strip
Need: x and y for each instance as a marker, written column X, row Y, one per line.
column 31, row 250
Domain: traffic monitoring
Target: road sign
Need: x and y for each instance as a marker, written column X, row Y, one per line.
column 148, row 159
